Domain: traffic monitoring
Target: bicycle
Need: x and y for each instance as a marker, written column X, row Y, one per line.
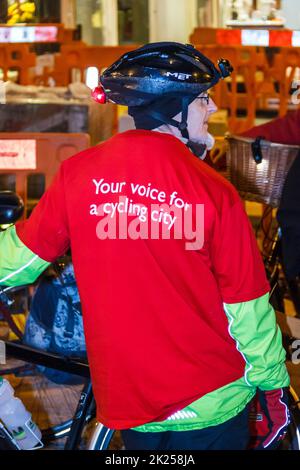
column 100, row 437
column 258, row 169
column 11, row 208
column 85, row 413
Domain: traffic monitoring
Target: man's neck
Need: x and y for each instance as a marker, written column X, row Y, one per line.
column 168, row 130
column 199, row 150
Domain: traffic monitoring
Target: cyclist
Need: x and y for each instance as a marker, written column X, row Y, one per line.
column 285, row 130
column 178, row 327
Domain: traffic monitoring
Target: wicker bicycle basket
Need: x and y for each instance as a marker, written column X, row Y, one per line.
column 263, row 181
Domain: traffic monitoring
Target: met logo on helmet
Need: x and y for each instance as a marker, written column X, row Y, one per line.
column 179, row 75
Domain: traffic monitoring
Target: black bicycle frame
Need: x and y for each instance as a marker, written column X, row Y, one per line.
column 65, row 364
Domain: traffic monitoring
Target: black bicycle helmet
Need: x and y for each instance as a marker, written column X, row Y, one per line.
column 151, row 78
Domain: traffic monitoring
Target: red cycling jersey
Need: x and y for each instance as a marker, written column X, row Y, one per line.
column 156, row 332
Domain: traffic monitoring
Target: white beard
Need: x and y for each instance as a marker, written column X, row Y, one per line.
column 208, row 140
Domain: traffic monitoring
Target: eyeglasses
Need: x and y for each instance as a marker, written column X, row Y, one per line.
column 204, row 96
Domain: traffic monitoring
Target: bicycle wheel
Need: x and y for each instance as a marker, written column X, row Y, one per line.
column 292, row 439
column 100, row 437
column 295, row 420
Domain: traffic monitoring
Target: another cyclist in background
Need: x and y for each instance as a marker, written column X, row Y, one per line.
column 286, row 130
column 179, row 330
column 283, row 130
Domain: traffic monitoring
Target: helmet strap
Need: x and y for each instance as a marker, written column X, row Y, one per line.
column 197, row 149
column 184, row 114
column 182, row 126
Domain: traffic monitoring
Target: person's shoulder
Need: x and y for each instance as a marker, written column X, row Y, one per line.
column 148, row 137
column 221, row 191
column 142, row 137
column 128, row 137
column 77, row 158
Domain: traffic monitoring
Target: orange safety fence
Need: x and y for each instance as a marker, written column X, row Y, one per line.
column 17, row 57
column 28, row 161
column 80, row 58
column 284, row 70
column 226, row 93
column 260, row 74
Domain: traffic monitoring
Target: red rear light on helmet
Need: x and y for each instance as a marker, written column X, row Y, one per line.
column 98, row 95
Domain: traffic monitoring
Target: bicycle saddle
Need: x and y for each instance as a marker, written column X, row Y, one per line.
column 11, row 207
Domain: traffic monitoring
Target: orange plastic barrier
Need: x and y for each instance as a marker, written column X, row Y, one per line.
column 245, row 61
column 17, row 57
column 73, row 57
column 283, row 71
column 244, row 36
column 257, row 77
column 50, row 150
column 260, row 73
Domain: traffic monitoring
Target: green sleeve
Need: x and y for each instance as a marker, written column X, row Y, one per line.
column 253, row 326
column 18, row 264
